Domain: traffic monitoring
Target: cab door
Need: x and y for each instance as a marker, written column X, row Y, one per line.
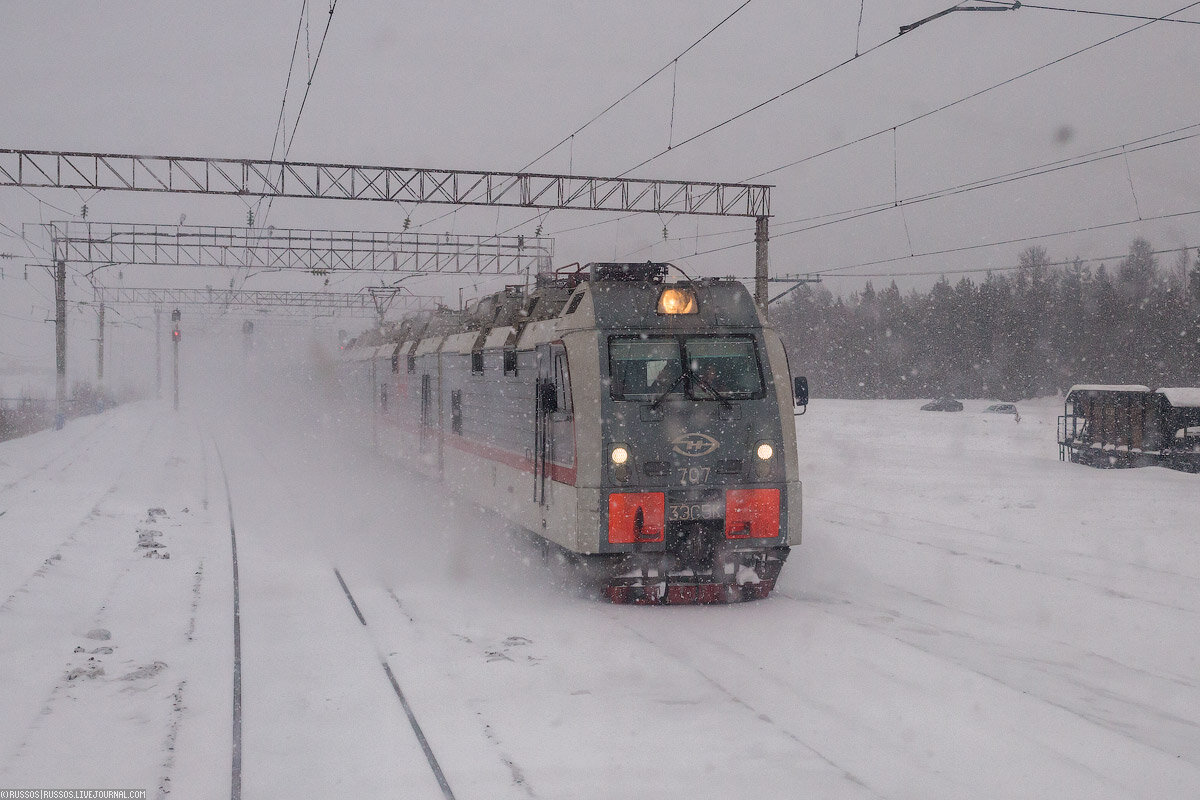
column 554, row 426
column 544, row 405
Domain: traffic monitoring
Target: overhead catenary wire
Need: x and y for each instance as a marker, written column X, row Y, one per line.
column 279, row 128
column 762, row 104
column 42, row 202
column 23, row 319
column 304, row 99
column 862, row 6
column 570, row 138
column 1006, row 242
column 889, row 128
column 1129, row 172
column 1092, row 12
column 965, row 98
column 735, row 117
column 1121, row 151
column 981, row 246
column 1013, row 268
column 1077, row 261
column 848, row 215
column 673, row 62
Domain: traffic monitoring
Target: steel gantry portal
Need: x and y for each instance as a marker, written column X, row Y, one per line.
column 303, row 179
column 263, row 178
column 316, row 251
column 268, row 178
column 373, row 303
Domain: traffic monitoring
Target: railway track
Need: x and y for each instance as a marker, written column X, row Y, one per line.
column 67, row 454
column 434, row 766
column 235, row 764
column 54, row 554
column 90, row 633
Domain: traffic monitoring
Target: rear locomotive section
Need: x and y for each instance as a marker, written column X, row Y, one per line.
column 641, row 428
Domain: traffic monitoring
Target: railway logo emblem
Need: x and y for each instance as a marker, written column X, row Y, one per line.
column 694, row 444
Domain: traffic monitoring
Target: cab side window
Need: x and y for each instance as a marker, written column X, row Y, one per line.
column 562, row 380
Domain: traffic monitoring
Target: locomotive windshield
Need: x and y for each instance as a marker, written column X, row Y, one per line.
column 718, row 367
column 642, row 369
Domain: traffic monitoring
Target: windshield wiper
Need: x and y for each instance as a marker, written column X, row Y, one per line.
column 705, row 384
column 658, row 400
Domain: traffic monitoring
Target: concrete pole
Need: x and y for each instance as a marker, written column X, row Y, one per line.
column 157, row 352
column 175, row 365
column 761, row 237
column 175, row 315
column 60, row 344
column 100, row 348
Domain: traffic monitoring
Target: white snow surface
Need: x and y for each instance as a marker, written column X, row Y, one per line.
column 1183, row 396
column 967, row 617
column 1101, row 387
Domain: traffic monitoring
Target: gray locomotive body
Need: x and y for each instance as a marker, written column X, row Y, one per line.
column 642, row 428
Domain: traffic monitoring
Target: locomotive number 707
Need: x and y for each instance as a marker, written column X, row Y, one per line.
column 689, row 476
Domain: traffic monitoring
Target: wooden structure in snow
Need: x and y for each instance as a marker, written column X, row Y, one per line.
column 1131, row 426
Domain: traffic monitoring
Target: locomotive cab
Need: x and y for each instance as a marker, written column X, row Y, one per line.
column 698, row 451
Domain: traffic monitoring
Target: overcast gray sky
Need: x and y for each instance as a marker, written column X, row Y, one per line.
column 475, row 85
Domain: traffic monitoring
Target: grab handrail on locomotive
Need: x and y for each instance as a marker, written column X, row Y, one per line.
column 1131, row 426
column 641, row 428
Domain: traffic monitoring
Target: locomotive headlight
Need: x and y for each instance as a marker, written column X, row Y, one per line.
column 619, row 455
column 765, row 452
column 678, row 301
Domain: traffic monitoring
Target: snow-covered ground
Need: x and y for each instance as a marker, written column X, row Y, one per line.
column 967, row 617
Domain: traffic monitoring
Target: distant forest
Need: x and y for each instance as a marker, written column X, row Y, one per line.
column 1016, row 335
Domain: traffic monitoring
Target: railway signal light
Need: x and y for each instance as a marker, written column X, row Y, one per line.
column 175, row 335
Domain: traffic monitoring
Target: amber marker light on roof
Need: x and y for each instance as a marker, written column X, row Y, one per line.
column 678, row 301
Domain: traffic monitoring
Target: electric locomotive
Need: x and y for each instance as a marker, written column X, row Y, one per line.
column 642, row 428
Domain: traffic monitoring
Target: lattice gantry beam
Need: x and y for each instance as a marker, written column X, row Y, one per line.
column 285, row 249
column 260, row 178
column 356, row 305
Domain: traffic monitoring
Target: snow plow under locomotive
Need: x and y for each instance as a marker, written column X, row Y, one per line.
column 642, row 428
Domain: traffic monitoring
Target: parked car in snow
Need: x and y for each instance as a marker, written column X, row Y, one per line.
column 1001, row 408
column 943, row 404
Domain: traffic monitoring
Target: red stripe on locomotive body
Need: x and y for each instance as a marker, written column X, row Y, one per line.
column 559, row 473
